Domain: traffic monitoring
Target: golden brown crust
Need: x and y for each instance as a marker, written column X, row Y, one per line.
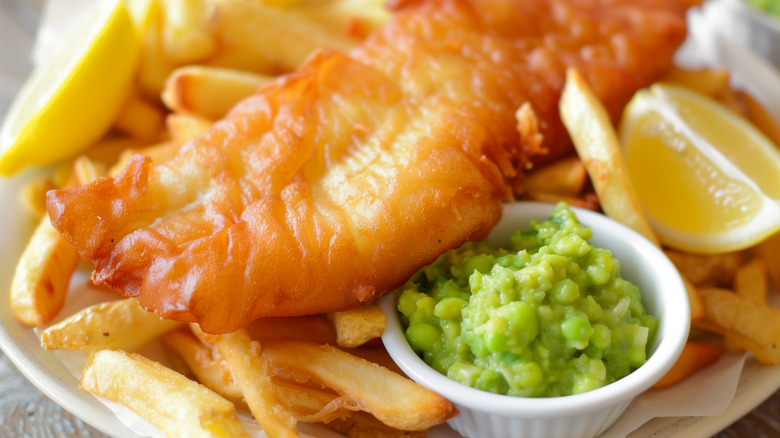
column 333, row 184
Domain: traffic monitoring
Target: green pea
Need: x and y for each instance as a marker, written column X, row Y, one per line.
column 571, row 245
column 480, row 263
column 496, row 342
column 584, row 383
column 504, row 280
column 525, row 239
column 576, row 328
column 464, row 372
column 449, row 308
column 565, row 291
column 522, row 317
column 449, row 289
column 407, row 302
column 601, row 337
column 422, row 336
column 528, row 374
column 598, row 274
column 424, row 311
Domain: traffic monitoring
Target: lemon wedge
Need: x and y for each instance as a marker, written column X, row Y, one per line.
column 708, row 180
column 70, row 101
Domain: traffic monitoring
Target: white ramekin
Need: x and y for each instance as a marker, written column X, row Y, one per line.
column 484, row 414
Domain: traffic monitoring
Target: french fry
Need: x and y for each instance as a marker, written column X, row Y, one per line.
column 769, row 251
column 121, row 324
column 34, row 195
column 313, row 404
column 357, row 326
column 589, row 202
column 186, row 34
column 733, row 315
column 695, row 300
column 346, row 15
column 378, row 355
column 168, row 400
column 707, row 81
column 86, row 170
column 252, row 373
column 391, row 398
column 595, row 140
column 209, row 92
column 694, row 357
column 159, row 153
column 140, row 119
column 211, row 369
column 185, row 127
column 244, row 29
column 707, row 269
column 766, row 354
column 42, row 276
column 204, row 362
column 155, row 66
column 363, row 425
column 563, row 177
column 750, row 280
column 107, row 151
column 306, row 402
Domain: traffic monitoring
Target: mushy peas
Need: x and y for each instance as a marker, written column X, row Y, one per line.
column 547, row 315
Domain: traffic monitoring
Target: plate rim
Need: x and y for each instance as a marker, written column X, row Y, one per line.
column 45, row 371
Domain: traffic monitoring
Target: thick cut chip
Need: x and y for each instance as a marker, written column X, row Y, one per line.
column 118, row 325
column 252, row 374
column 170, row 401
column 391, row 398
column 750, row 280
column 42, row 276
column 755, row 326
column 594, row 137
column 357, row 326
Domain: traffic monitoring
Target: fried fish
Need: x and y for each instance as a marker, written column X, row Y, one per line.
column 335, row 183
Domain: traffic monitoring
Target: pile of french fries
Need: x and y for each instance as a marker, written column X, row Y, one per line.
column 200, row 58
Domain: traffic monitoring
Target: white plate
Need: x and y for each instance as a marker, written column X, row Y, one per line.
column 45, row 370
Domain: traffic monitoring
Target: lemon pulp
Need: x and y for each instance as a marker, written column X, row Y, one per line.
column 708, row 180
column 70, row 101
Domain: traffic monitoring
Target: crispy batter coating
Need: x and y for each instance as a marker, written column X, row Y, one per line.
column 334, row 184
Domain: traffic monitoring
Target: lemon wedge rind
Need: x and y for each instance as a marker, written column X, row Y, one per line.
column 763, row 225
column 70, row 101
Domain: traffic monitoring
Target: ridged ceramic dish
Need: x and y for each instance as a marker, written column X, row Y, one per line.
column 484, row 414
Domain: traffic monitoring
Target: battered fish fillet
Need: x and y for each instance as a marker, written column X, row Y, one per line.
column 334, row 184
